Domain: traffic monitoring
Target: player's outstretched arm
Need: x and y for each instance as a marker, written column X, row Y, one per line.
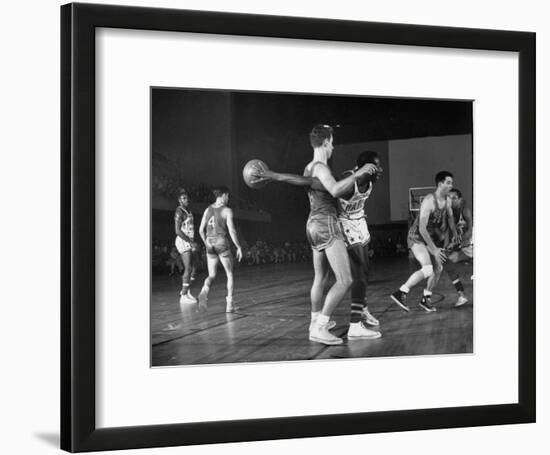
column 341, row 187
column 233, row 232
column 262, row 175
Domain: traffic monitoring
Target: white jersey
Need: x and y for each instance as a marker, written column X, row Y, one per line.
column 184, row 219
column 351, row 214
column 354, row 207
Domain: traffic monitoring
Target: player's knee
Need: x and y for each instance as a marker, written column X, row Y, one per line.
column 345, row 281
column 427, row 271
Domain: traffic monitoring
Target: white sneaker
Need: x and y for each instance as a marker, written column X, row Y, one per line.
column 331, row 324
column 357, row 331
column 229, row 307
column 369, row 318
column 186, row 300
column 461, row 300
column 320, row 334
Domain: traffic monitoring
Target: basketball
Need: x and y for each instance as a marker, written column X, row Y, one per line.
column 248, row 171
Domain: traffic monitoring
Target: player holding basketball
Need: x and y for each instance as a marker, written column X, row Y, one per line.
column 426, row 240
column 185, row 243
column 324, row 232
column 216, row 223
column 462, row 217
column 351, row 214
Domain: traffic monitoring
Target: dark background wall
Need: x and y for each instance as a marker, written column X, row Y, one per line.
column 205, row 137
column 191, row 135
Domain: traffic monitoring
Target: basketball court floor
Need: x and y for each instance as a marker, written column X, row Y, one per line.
column 273, row 315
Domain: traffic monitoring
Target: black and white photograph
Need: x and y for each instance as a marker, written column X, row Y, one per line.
column 298, row 226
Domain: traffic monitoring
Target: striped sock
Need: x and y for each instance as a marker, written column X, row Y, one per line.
column 458, row 285
column 356, row 310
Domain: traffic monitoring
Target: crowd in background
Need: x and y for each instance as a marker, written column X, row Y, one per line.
column 165, row 258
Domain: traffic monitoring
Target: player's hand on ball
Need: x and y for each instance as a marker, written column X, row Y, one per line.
column 368, row 168
column 239, row 254
column 260, row 175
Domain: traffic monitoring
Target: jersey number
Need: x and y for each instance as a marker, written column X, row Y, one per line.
column 212, row 223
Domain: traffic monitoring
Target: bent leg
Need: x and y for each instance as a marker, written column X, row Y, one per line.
column 434, row 279
column 212, row 263
column 422, row 255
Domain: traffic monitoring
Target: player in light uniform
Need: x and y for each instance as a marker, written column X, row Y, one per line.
column 426, row 240
column 217, row 222
column 351, row 214
column 185, row 242
column 462, row 251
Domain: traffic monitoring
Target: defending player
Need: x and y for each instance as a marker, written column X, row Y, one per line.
column 351, row 214
column 185, row 240
column 462, row 252
column 426, row 240
column 216, row 223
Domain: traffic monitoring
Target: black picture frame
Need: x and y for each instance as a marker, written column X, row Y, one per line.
column 78, row 174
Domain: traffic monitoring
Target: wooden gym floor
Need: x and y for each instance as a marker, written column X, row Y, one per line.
column 271, row 323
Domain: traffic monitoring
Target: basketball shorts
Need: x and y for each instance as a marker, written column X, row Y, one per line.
column 182, row 246
column 356, row 232
column 217, row 246
column 415, row 237
column 322, row 231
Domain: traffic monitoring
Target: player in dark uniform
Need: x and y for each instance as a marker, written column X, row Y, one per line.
column 185, row 243
column 462, row 251
column 217, row 222
column 351, row 214
column 426, row 240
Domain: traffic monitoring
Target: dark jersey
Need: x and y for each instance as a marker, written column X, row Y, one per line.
column 320, row 202
column 460, row 221
column 436, row 226
column 216, row 225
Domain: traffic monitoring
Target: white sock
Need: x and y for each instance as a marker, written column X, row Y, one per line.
column 404, row 289
column 427, row 293
column 322, row 320
column 229, row 299
column 315, row 315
